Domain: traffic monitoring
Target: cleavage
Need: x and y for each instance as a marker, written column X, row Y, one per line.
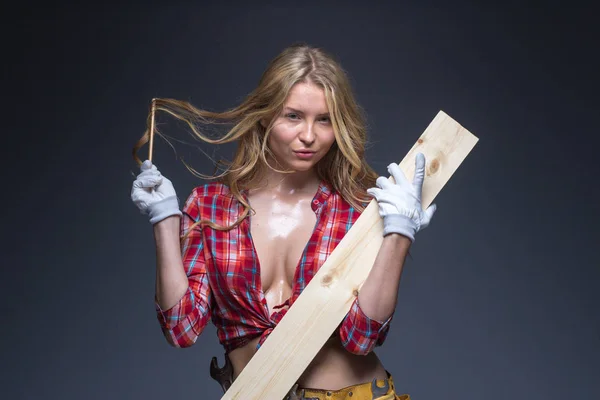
column 280, row 230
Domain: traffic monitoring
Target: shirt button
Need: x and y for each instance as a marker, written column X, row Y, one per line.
column 316, row 201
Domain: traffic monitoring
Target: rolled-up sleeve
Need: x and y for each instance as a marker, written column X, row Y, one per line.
column 185, row 321
column 360, row 334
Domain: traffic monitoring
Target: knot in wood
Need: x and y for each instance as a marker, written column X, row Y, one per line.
column 434, row 166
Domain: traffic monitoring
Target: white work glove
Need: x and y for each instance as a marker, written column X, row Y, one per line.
column 154, row 194
column 400, row 203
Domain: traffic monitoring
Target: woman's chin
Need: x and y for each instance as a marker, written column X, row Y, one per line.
column 301, row 167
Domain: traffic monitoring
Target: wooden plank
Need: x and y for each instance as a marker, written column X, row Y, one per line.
column 326, row 300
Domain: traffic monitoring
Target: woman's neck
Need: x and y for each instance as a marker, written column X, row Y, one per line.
column 300, row 182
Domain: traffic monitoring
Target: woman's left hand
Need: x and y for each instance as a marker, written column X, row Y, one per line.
column 400, row 203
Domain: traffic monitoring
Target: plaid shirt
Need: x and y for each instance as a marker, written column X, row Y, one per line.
column 224, row 278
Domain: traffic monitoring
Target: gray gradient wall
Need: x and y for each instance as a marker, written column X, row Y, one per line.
column 500, row 297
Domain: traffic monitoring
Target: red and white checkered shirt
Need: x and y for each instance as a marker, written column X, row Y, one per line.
column 224, row 274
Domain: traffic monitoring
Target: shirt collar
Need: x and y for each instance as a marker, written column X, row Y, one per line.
column 323, row 193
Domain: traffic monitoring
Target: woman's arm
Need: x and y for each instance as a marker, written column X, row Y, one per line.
column 155, row 196
column 171, row 279
column 403, row 216
column 379, row 293
column 367, row 323
column 182, row 293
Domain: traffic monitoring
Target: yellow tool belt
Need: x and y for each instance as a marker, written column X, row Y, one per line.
column 378, row 389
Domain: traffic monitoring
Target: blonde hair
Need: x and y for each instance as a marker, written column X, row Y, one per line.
column 344, row 167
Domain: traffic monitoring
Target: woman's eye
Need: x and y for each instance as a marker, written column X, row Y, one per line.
column 326, row 120
column 292, row 116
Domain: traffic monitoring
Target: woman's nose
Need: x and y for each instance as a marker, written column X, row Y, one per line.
column 307, row 134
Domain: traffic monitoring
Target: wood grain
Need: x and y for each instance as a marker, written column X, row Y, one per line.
column 151, row 133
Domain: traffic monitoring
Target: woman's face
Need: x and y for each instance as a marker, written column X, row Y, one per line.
column 302, row 134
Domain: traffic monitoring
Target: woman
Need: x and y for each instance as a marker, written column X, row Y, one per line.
column 252, row 238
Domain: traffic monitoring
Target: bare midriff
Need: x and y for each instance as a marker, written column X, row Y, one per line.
column 333, row 367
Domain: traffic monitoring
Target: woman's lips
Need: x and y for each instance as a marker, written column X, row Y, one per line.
column 305, row 155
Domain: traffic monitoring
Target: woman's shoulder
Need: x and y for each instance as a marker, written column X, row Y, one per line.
column 340, row 202
column 213, row 201
column 211, row 189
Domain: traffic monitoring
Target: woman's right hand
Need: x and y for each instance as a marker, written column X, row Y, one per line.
column 154, row 194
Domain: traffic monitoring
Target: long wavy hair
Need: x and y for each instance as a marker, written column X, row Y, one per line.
column 344, row 166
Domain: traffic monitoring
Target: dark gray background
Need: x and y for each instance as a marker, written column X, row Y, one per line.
column 500, row 298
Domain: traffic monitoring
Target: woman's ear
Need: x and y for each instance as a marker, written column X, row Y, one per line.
column 263, row 122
